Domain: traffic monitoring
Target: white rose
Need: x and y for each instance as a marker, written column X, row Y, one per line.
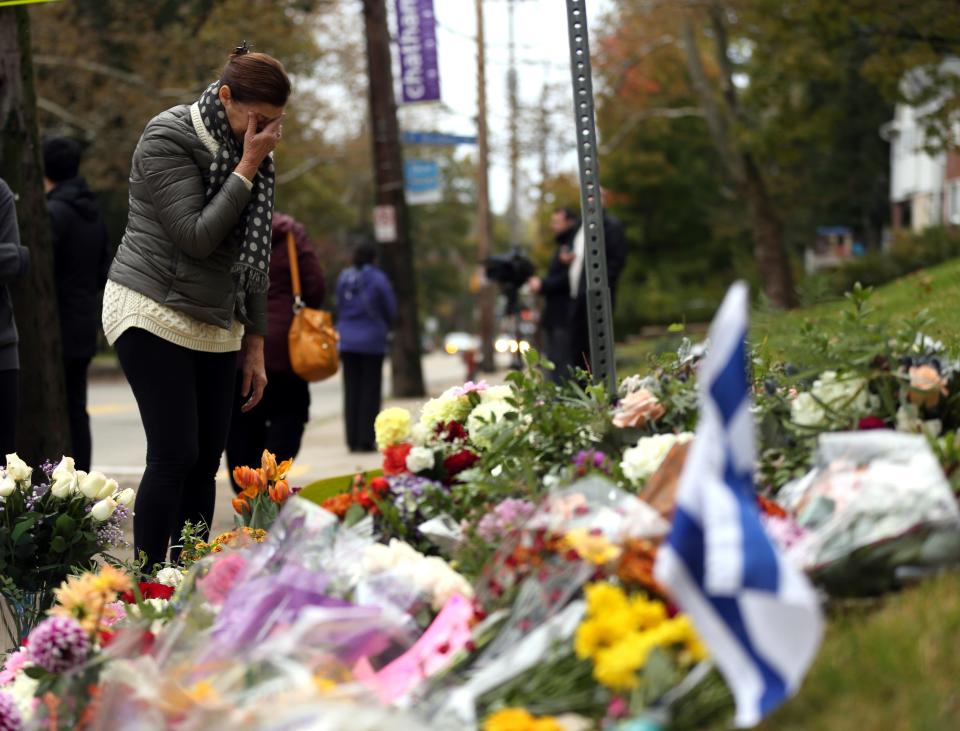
column 125, row 498
column 17, row 468
column 170, row 577
column 643, row 460
column 7, row 486
column 64, row 486
column 108, row 489
column 103, row 509
column 66, row 468
column 92, row 484
column 420, row 459
column 805, row 411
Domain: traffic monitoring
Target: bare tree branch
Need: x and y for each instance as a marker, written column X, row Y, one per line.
column 89, row 130
column 111, row 72
column 659, row 112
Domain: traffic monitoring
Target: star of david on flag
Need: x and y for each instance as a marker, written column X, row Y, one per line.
column 758, row 614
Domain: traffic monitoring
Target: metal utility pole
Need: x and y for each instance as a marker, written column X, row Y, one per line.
column 487, row 295
column 514, row 216
column 397, row 255
column 42, row 431
column 599, row 311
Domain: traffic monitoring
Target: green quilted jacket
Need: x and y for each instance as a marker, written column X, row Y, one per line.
column 178, row 249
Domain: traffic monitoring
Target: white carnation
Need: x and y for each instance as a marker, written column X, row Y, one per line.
column 446, row 407
column 496, row 393
column 643, row 460
column 170, row 577
column 420, row 459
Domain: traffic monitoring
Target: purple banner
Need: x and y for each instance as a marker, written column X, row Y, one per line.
column 417, row 40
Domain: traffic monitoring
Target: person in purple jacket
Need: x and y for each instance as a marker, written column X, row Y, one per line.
column 366, row 309
column 277, row 423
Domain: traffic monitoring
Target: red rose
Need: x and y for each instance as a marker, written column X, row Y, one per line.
column 871, row 422
column 379, row 485
column 395, row 459
column 457, row 463
column 453, row 429
column 148, row 590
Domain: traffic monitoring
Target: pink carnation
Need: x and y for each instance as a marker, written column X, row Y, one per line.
column 221, row 577
column 13, row 665
column 471, row 387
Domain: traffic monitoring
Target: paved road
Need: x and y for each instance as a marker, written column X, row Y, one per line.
column 119, row 445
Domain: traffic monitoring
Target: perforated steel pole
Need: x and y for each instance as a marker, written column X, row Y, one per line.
column 599, row 314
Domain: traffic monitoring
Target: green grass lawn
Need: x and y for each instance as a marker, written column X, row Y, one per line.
column 894, row 664
column 937, row 290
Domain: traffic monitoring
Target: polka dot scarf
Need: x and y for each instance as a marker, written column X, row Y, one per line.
column 252, row 266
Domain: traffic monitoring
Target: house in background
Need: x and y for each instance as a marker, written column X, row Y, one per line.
column 924, row 187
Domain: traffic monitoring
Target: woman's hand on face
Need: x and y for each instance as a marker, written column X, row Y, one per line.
column 253, row 371
column 257, row 145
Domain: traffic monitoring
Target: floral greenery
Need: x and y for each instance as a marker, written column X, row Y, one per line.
column 49, row 530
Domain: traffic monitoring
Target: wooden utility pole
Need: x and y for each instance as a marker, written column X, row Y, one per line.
column 487, row 295
column 397, row 256
column 42, row 427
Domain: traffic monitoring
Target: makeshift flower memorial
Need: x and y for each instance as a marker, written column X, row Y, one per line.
column 47, row 529
column 263, row 492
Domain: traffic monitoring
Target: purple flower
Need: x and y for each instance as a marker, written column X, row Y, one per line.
column 59, row 644
column 505, row 517
column 406, row 491
column 110, row 532
column 10, row 719
column 587, row 458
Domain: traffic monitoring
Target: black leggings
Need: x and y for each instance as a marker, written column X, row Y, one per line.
column 276, row 424
column 75, row 373
column 185, row 398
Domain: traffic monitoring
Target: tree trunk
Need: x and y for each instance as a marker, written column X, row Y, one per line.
column 773, row 264
column 388, row 179
column 720, row 107
column 42, row 428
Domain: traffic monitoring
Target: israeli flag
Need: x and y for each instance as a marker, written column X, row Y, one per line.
column 758, row 614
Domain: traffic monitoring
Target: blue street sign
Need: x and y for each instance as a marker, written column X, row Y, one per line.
column 436, row 138
column 421, row 181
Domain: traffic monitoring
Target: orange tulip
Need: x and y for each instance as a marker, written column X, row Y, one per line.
column 283, row 468
column 240, row 505
column 279, row 491
column 249, row 480
column 268, row 466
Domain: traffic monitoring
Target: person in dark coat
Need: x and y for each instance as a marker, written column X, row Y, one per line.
column 277, row 423
column 616, row 251
column 555, row 288
column 14, row 260
column 81, row 261
column 366, row 310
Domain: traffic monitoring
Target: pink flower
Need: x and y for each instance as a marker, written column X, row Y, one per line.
column 10, row 718
column 113, row 613
column 13, row 665
column 618, row 708
column 471, row 387
column 221, row 577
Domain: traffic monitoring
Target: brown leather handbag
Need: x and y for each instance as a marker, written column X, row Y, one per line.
column 312, row 339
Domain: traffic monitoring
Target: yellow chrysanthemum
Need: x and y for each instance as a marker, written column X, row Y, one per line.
column 594, row 548
column 601, row 631
column 392, row 426
column 112, row 581
column 519, row 719
column 80, row 598
column 616, row 667
column 603, row 598
column 646, row 613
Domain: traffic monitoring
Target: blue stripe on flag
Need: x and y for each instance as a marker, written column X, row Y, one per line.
column 729, row 388
column 760, row 567
column 686, row 540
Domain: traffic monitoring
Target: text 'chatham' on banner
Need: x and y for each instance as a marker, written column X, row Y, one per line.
column 417, row 41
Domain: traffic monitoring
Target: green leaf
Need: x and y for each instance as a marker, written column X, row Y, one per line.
column 353, row 515
column 58, row 544
column 20, row 529
column 65, row 524
column 36, row 672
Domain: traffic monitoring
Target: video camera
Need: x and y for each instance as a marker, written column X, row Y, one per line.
column 511, row 271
